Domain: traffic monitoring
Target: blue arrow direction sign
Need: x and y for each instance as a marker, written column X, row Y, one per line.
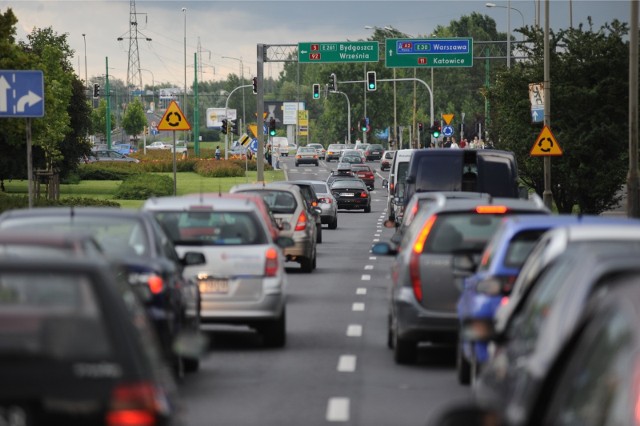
column 253, row 146
column 447, row 130
column 21, row 93
column 537, row 115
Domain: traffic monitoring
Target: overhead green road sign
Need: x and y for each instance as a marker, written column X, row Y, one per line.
column 428, row 53
column 338, row 51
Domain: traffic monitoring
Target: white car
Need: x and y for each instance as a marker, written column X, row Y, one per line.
column 319, row 149
column 243, row 280
column 158, row 145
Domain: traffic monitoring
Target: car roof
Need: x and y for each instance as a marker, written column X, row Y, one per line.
column 517, row 223
column 72, row 211
column 197, row 202
column 281, row 186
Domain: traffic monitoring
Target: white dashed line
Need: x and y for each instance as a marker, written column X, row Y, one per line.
column 338, row 409
column 361, row 290
column 347, row 363
column 376, row 235
column 366, row 278
column 375, row 240
column 368, row 267
column 372, row 258
column 354, row 330
column 357, row 307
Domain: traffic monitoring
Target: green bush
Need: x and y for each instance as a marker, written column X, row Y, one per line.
column 108, row 171
column 219, row 168
column 8, row 202
column 141, row 187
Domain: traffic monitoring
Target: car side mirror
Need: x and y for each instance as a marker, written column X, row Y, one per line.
column 317, row 210
column 385, row 183
column 193, row 258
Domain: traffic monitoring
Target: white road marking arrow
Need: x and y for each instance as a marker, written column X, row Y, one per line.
column 30, row 98
column 4, row 87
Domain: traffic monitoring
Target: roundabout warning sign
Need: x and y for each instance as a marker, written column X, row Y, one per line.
column 173, row 119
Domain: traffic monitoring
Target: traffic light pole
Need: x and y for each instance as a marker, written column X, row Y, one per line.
column 226, row 111
column 348, row 115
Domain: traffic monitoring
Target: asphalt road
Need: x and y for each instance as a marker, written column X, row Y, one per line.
column 336, row 367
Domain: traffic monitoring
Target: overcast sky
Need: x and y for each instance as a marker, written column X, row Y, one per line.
column 234, row 28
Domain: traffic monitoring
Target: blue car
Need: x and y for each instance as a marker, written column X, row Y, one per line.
column 484, row 290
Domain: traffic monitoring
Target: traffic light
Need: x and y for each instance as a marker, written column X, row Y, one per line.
column 363, row 124
column 234, row 127
column 224, row 127
column 96, row 90
column 371, row 81
column 272, row 127
column 316, row 91
column 436, row 129
column 333, row 83
column 255, row 85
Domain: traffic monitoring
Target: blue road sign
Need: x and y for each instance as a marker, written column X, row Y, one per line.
column 537, row 115
column 447, row 131
column 253, row 145
column 21, row 93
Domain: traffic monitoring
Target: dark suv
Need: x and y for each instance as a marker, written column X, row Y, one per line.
column 136, row 240
column 374, row 152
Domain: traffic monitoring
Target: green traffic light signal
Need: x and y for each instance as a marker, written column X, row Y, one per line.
column 316, row 91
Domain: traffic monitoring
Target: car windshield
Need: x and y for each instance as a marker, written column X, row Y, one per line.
column 119, row 236
column 53, row 316
column 212, row 227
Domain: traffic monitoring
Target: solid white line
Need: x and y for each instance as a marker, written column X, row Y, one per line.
column 361, row 290
column 338, row 409
column 357, row 307
column 354, row 330
column 368, row 267
column 347, row 363
column 366, row 278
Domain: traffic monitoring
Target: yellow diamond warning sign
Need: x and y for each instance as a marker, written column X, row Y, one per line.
column 447, row 118
column 173, row 119
column 545, row 145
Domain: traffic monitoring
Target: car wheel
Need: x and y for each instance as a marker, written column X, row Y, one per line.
column 462, row 366
column 306, row 264
column 334, row 223
column 317, row 164
column 389, row 333
column 191, row 365
column 296, row 164
column 319, row 234
column 274, row 334
column 404, row 351
column 367, row 209
column 315, row 261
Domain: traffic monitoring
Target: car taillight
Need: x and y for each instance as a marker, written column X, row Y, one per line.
column 491, row 209
column 135, row 404
column 369, row 175
column 155, row 283
column 298, row 156
column 325, row 200
column 391, row 187
column 271, row 263
column 414, row 261
column 301, row 224
column 315, row 156
column 363, row 195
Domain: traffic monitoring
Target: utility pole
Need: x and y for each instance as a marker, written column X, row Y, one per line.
column 633, row 186
column 547, row 195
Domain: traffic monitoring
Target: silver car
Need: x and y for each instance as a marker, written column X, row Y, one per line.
column 288, row 206
column 243, row 280
column 326, row 202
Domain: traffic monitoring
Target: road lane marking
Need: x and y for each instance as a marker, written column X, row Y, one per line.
column 368, row 267
column 357, row 307
column 354, row 330
column 338, row 409
column 361, row 290
column 375, row 240
column 366, row 278
column 376, row 235
column 347, row 363
column 372, row 258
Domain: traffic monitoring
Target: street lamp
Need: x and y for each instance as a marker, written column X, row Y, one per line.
column 508, row 7
column 242, row 84
column 86, row 80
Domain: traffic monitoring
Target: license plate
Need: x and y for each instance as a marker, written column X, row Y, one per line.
column 216, row 286
column 376, row 152
column 347, row 194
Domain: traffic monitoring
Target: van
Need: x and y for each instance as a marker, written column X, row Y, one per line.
column 494, row 172
column 397, row 175
column 281, row 146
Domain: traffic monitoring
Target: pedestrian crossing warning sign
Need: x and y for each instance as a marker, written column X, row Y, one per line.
column 545, row 145
column 173, row 119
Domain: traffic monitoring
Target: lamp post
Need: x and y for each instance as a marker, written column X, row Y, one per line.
column 241, row 83
column 509, row 8
column 184, row 101
column 86, row 80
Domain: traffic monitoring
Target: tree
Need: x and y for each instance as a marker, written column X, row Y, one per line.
column 99, row 119
column 589, row 116
column 134, row 119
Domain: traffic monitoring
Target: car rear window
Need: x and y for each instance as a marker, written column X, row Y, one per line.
column 320, row 188
column 212, row 227
column 282, row 202
column 467, row 231
column 52, row 316
column 347, row 183
column 434, row 174
column 119, row 236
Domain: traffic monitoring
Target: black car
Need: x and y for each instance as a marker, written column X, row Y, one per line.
column 136, row 240
column 374, row 152
column 77, row 348
column 351, row 194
